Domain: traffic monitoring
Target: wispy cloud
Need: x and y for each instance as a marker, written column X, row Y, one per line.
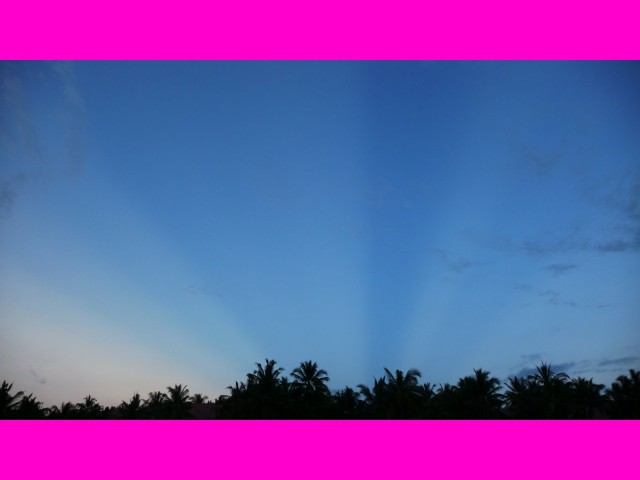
column 535, row 247
column 569, row 368
column 560, row 268
column 454, row 262
column 523, row 287
column 541, row 163
column 525, row 372
column 553, row 297
column 387, row 194
column 531, row 357
column 523, row 367
column 619, row 361
column 199, row 290
column 37, row 378
column 620, row 194
column 615, row 197
column 566, row 366
column 619, row 190
column 536, row 160
column 629, row 242
column 584, row 368
column 621, row 244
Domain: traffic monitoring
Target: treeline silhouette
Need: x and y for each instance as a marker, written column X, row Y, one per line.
column 268, row 394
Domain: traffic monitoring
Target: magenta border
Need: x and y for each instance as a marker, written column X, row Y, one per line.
column 329, row 29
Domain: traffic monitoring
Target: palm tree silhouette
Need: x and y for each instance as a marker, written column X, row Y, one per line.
column 374, row 401
column 545, row 394
column 237, row 390
column 89, row 408
column 546, row 377
column 446, row 402
column 347, row 404
column 587, row 398
column 133, row 409
column 265, row 378
column 624, row 396
column 309, row 385
column 478, row 396
column 426, row 394
column 553, row 392
column 235, row 405
column 30, row 408
column 266, row 392
column 404, row 393
column 310, row 380
column 199, row 398
column 155, row 405
column 8, row 402
column 68, row 410
column 178, row 402
column 520, row 398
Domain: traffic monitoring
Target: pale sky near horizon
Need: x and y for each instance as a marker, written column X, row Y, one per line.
column 176, row 222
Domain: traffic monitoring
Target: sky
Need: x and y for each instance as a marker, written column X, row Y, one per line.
column 177, row 222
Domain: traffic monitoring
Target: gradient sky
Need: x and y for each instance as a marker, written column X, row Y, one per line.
column 167, row 223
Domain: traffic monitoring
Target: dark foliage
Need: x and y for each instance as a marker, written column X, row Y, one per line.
column 267, row 394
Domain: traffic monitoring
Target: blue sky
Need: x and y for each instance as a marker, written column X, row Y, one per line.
column 169, row 223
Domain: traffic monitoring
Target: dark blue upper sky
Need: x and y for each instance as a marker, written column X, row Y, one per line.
column 176, row 222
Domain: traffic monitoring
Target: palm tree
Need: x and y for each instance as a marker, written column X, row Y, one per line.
column 234, row 405
column 478, row 396
column 68, row 410
column 374, row 401
column 426, row 394
column 445, row 402
column 309, row 385
column 267, row 394
column 89, row 408
column 546, row 377
column 520, row 397
column 155, row 405
column 310, row 380
column 199, row 398
column 133, row 409
column 237, row 390
column 554, row 392
column 347, row 403
column 52, row 412
column 30, row 408
column 178, row 402
column 404, row 393
column 265, row 378
column 587, row 398
column 624, row 396
column 8, row 402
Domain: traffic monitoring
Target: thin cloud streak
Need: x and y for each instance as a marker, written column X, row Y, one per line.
column 619, row 361
column 37, row 378
column 453, row 262
column 553, row 297
column 561, row 268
